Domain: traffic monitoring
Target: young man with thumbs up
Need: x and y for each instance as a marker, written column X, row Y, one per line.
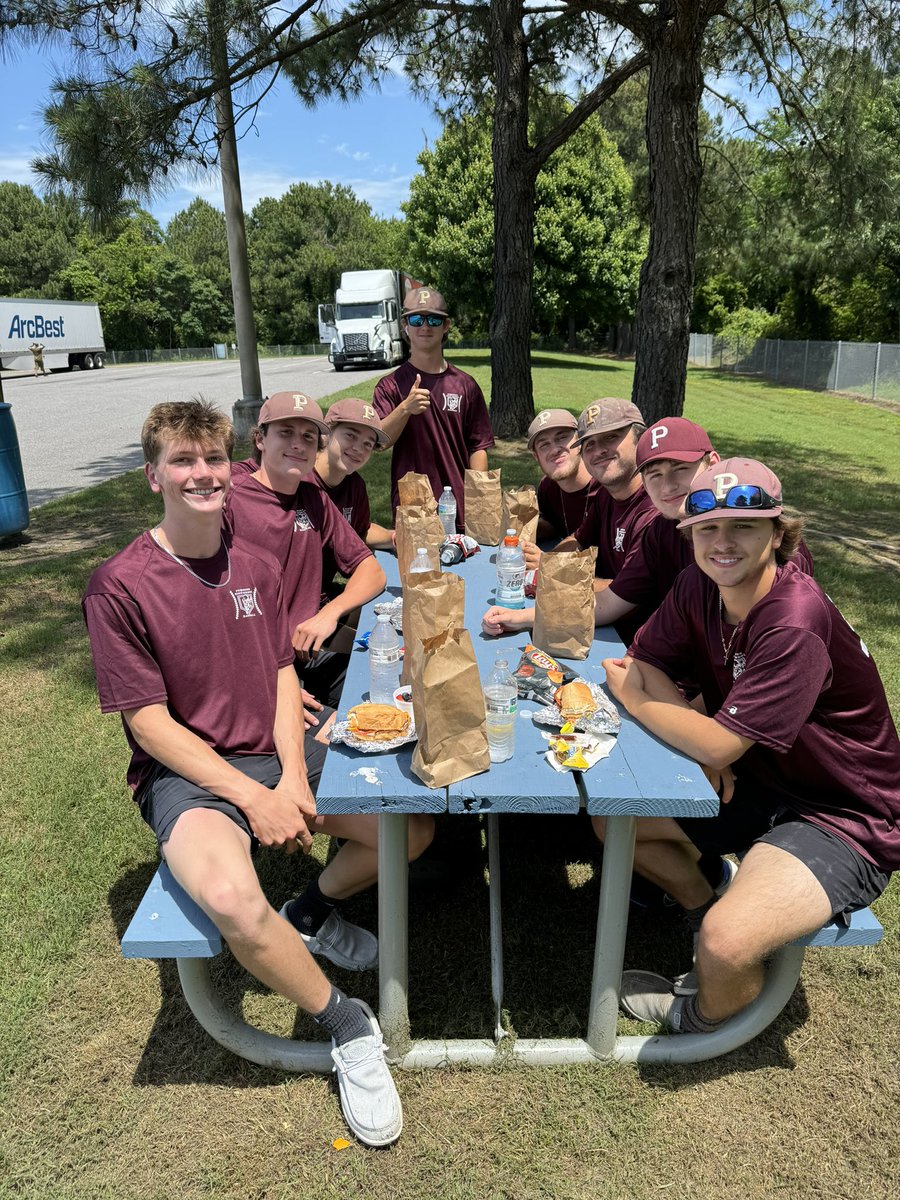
column 433, row 413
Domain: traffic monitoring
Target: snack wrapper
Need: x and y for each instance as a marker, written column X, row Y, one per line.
column 538, row 676
column 572, row 751
column 456, row 547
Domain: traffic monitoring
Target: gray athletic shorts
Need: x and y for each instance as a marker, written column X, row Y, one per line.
column 849, row 880
column 165, row 795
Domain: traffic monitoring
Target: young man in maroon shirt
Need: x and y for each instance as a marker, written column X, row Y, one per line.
column 791, row 723
column 355, row 433
column 566, row 487
column 191, row 646
column 433, row 413
column 607, row 434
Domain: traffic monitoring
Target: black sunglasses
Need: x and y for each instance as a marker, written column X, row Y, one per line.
column 417, row 320
column 742, row 495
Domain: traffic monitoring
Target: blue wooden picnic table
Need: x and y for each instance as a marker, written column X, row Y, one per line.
column 640, row 777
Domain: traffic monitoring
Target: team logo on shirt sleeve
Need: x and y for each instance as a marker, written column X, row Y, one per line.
column 738, row 666
column 348, row 514
column 620, row 540
column 301, row 521
column 246, row 603
column 452, row 401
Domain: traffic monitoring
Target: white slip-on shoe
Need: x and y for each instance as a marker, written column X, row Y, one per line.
column 369, row 1099
column 648, row 997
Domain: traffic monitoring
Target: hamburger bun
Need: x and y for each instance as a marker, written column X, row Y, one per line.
column 575, row 700
column 378, row 722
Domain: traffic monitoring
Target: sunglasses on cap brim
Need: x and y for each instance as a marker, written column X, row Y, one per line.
column 741, row 496
column 417, row 320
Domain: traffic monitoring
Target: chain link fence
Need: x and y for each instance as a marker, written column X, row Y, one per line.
column 220, row 351
column 866, row 369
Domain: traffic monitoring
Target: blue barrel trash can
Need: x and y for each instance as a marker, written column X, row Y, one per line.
column 13, row 497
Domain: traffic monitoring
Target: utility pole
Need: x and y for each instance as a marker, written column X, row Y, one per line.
column 246, row 410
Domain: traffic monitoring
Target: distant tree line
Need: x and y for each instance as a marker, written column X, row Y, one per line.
column 799, row 234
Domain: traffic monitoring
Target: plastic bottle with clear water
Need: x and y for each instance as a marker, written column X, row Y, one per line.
column 500, row 707
column 447, row 509
column 384, row 661
column 423, row 560
column 511, row 572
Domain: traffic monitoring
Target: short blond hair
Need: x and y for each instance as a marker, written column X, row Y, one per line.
column 197, row 421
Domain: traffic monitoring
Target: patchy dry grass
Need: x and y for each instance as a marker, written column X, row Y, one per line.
column 111, row 1090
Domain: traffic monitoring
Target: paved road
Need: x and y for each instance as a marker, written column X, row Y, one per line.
column 77, row 429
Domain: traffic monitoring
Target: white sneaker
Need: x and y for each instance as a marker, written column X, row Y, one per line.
column 369, row 1099
column 346, row 945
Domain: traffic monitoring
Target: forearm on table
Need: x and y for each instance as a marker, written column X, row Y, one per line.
column 364, row 584
column 170, row 743
column 379, row 538
column 608, row 607
column 700, row 737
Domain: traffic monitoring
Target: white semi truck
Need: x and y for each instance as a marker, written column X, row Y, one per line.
column 70, row 333
column 362, row 327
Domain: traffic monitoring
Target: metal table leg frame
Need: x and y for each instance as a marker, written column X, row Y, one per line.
column 393, row 931
column 612, row 925
column 496, row 911
column 266, row 1049
column 782, row 976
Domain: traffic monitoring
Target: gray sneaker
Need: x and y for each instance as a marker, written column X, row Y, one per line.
column 369, row 1099
column 348, row 946
column 648, row 997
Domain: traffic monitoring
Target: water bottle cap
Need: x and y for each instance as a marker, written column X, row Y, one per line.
column 383, row 617
column 501, row 662
column 422, row 550
column 511, row 539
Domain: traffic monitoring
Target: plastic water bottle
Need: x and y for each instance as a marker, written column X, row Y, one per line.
column 447, row 509
column 384, row 661
column 423, row 560
column 500, row 705
column 511, row 572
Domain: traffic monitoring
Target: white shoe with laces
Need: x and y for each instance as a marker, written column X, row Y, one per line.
column 369, row 1099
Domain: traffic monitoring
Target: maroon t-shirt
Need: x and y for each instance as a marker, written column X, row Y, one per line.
column 211, row 654
column 565, row 511
column 613, row 526
column 440, row 441
column 799, row 682
column 296, row 529
column 657, row 558
column 351, row 500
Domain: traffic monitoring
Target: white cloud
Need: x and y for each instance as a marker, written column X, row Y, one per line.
column 16, row 168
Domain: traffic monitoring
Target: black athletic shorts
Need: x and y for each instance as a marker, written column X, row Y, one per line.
column 849, row 880
column 165, row 795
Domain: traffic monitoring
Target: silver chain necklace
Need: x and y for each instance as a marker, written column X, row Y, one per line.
column 225, row 582
column 726, row 650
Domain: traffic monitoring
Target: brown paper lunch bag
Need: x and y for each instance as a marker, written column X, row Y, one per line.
column 449, row 711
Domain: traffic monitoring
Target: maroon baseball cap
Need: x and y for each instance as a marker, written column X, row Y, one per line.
column 722, row 476
column 550, row 418
column 606, row 414
column 284, row 406
column 424, row 300
column 675, row 438
column 351, row 411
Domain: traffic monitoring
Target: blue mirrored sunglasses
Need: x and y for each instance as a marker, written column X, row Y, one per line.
column 742, row 495
column 417, row 320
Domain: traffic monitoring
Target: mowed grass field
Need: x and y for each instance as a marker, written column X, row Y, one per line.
column 111, row 1090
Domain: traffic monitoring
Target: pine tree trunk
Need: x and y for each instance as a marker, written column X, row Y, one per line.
column 666, row 290
column 515, row 173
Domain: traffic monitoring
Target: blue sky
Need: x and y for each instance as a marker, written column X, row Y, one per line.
column 370, row 145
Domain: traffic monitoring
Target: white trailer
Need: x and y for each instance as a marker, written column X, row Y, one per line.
column 362, row 327
column 71, row 334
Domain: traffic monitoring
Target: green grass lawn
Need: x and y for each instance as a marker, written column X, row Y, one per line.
column 110, row 1089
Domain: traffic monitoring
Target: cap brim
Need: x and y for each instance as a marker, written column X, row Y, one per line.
column 320, row 425
column 597, row 432
column 737, row 514
column 380, row 436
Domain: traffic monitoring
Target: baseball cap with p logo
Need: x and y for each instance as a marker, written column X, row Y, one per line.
column 674, row 438
column 286, row 406
column 734, row 487
column 351, row 411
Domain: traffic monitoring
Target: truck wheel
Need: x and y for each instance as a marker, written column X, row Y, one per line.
column 98, row 362
column 89, row 362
